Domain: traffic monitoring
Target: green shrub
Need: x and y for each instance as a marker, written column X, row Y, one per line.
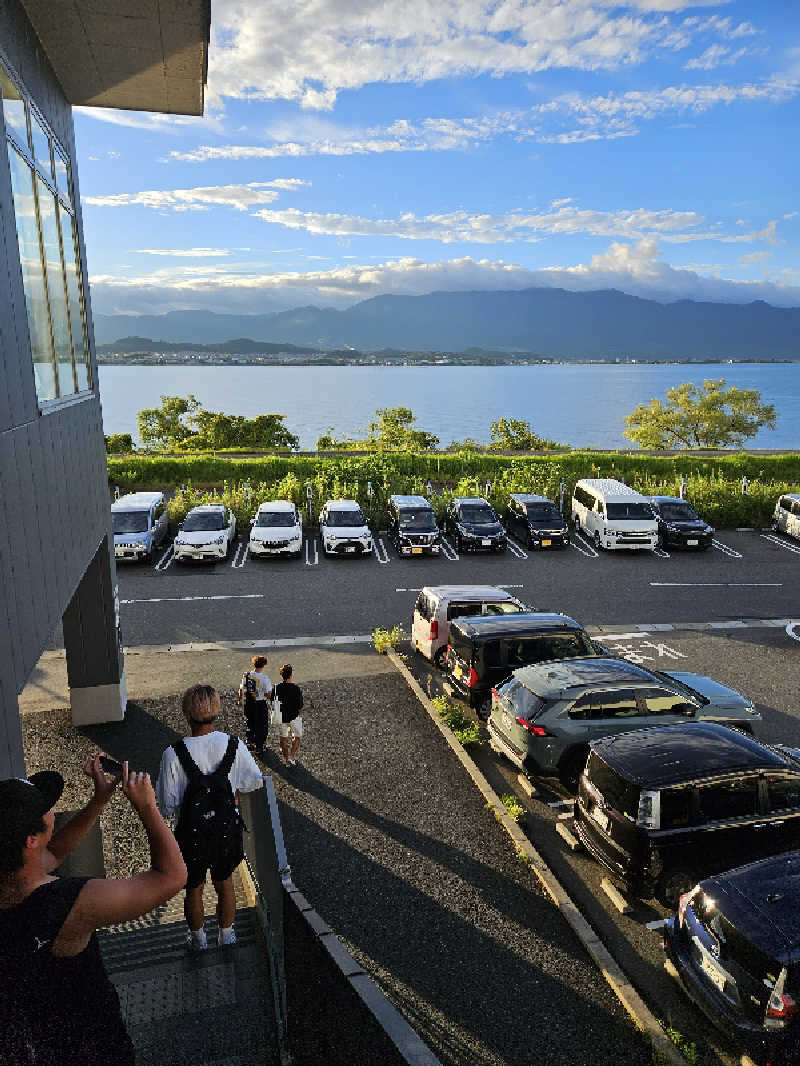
column 384, row 639
column 513, row 806
column 466, row 731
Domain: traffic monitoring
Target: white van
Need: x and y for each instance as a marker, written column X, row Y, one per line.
column 276, row 529
column 786, row 518
column 437, row 605
column 140, row 524
column 612, row 515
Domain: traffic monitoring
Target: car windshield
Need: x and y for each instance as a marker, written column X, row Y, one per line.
column 504, row 608
column 275, row 518
column 345, row 518
column 630, row 510
column 422, row 521
column 538, row 512
column 129, row 521
column 678, row 512
column 477, row 514
column 678, row 686
column 203, row 522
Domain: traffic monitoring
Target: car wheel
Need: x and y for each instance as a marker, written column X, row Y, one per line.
column 673, row 884
column 439, row 658
column 597, row 543
column 572, row 766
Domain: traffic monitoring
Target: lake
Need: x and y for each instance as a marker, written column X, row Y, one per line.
column 583, row 406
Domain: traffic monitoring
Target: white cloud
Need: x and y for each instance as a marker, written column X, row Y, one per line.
column 189, row 253
column 311, row 52
column 678, row 227
column 634, row 268
column 716, row 55
column 202, row 198
column 755, row 257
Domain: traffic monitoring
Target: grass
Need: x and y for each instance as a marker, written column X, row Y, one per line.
column 513, row 806
column 686, row 1047
column 466, row 731
column 384, row 639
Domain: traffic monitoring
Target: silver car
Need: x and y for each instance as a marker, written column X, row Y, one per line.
column 544, row 717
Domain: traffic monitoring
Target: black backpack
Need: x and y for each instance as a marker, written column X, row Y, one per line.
column 209, row 827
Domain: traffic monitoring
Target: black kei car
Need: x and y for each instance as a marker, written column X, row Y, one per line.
column 474, row 525
column 735, row 943
column 663, row 808
column 536, row 521
column 679, row 525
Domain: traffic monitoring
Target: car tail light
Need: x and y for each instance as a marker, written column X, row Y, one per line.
column 434, row 630
column 781, row 1007
column 536, row 730
column 494, row 694
column 473, row 677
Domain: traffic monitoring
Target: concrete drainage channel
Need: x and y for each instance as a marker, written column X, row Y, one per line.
column 642, row 1017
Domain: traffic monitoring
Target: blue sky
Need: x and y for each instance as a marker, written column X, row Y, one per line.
column 351, row 148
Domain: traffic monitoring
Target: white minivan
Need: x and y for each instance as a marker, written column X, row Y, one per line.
column 786, row 518
column 612, row 515
column 276, row 529
column 437, row 605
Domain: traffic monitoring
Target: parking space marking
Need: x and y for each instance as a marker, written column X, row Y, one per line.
column 239, row 560
column 791, row 630
column 656, row 925
column 189, row 599
column 717, row 584
column 621, row 644
column 166, row 559
column 725, row 549
column 660, row 553
column 781, row 543
column 585, row 548
column 315, row 560
column 449, row 551
column 381, row 554
column 515, row 549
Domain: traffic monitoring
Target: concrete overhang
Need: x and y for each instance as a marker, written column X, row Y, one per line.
column 137, row 55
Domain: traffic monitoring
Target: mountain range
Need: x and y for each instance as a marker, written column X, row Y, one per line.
column 547, row 322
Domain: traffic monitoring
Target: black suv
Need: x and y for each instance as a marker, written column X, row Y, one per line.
column 474, row 525
column 662, row 808
column 679, row 525
column 536, row 521
column 484, row 651
column 412, row 526
column 735, row 943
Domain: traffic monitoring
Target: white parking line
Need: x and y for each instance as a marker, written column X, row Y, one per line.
column 242, row 548
column 515, row 549
column 781, row 543
column 717, row 584
column 309, row 560
column 726, row 550
column 585, row 548
column 166, row 558
column 381, row 554
column 791, row 630
column 448, row 551
column 189, row 599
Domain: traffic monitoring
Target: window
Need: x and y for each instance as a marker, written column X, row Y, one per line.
column 617, row 703
column 783, row 793
column 463, row 610
column 630, row 511
column 47, row 238
column 524, row 651
column 675, row 807
column 661, row 701
column 728, row 799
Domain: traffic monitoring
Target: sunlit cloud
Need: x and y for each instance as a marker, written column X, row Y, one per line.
column 189, row 253
column 202, row 198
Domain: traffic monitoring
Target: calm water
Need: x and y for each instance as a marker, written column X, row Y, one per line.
column 583, row 406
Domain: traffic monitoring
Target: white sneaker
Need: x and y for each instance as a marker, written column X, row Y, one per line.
column 196, row 943
column 226, row 937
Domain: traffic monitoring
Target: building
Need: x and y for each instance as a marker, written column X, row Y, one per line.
column 56, row 549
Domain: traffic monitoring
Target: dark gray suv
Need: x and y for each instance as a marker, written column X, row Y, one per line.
column 545, row 717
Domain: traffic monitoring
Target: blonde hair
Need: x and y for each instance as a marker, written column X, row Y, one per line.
column 201, row 703
column 258, row 661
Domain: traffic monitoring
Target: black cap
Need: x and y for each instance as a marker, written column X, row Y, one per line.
column 23, row 801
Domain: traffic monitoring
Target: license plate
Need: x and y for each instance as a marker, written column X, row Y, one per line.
column 712, row 971
column 197, row 555
column 486, row 542
column 691, row 543
column 546, row 543
column 600, row 817
column 349, row 549
column 416, row 551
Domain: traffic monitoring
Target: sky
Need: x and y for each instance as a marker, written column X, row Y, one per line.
column 352, row 148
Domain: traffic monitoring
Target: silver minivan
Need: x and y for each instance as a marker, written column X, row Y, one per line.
column 437, row 604
column 140, row 524
column 786, row 518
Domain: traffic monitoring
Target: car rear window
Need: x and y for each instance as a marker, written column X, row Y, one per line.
column 621, row 795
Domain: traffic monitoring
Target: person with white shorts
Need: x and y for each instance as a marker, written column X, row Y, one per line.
column 291, row 712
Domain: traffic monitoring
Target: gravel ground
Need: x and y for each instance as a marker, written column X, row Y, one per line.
column 391, row 842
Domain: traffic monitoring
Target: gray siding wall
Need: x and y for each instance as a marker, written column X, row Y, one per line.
column 54, row 503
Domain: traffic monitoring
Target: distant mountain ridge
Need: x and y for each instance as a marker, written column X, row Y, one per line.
column 553, row 323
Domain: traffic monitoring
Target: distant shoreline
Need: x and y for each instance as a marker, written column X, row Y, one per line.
column 206, row 359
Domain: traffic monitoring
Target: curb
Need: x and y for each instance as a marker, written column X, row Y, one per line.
column 641, row 1014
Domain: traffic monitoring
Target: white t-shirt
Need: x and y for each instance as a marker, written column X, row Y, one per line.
column 207, row 751
column 262, row 685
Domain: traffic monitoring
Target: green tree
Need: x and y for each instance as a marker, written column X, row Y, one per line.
column 394, row 432
column 215, row 430
column 119, row 444
column 515, row 435
column 167, row 426
column 694, row 417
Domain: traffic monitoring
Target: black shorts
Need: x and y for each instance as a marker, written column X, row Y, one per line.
column 220, row 871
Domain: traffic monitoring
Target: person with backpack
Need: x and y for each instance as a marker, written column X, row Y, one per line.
column 200, row 780
column 290, row 698
column 255, row 696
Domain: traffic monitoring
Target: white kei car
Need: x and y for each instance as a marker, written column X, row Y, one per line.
column 343, row 529
column 277, row 529
column 206, row 532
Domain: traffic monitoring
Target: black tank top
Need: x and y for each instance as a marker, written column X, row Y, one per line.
column 55, row 1011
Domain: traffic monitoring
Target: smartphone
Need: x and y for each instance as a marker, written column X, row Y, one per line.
column 110, row 766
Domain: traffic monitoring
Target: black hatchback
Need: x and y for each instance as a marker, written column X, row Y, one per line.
column 536, row 521
column 735, row 943
column 662, row 808
column 679, row 525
